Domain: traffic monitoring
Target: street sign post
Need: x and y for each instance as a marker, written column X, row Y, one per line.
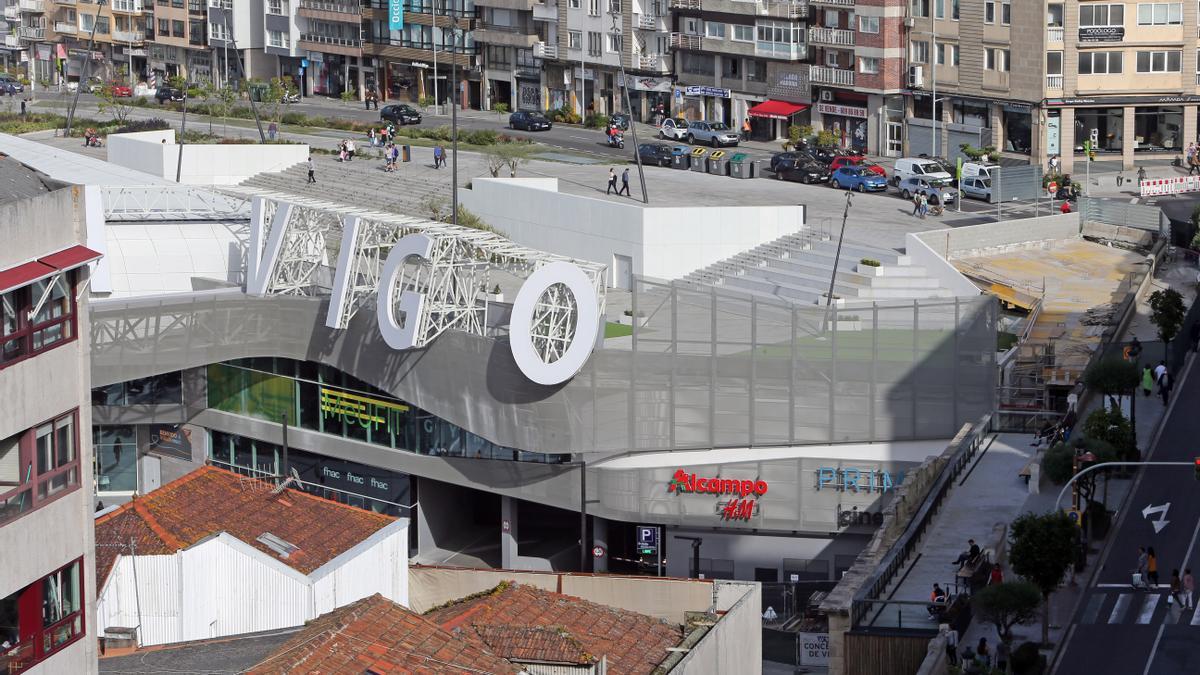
column 648, row 538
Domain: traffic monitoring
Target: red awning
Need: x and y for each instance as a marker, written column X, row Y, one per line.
column 45, row 267
column 776, row 110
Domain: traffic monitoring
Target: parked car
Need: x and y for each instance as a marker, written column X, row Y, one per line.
column 715, row 134
column 674, row 128
column 857, row 178
column 825, row 155
column 529, row 121
column 976, row 187
column 400, row 114
column 788, row 157
column 120, row 90
column 936, row 190
column 800, row 170
column 978, row 169
column 854, row 160
column 10, row 85
column 165, row 94
column 659, row 154
column 620, row 121
column 917, row 167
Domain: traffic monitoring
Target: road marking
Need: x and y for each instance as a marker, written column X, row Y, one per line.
column 1148, row 607
column 1196, row 617
column 1121, row 607
column 1093, row 608
column 1162, row 519
column 1154, row 649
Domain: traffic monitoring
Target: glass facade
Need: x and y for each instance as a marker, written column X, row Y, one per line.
column 162, row 389
column 1105, row 127
column 320, row 398
column 41, row 619
column 1158, row 128
column 116, row 457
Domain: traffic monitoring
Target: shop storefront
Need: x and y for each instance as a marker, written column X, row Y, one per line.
column 529, row 91
column 1018, row 127
column 702, row 103
column 649, row 96
column 770, row 119
column 847, row 122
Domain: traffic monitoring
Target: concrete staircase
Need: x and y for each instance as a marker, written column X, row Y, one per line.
column 797, row 267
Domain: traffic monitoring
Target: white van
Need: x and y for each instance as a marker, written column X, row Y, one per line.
column 916, row 167
column 977, row 169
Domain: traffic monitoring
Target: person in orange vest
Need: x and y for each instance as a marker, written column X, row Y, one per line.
column 746, row 129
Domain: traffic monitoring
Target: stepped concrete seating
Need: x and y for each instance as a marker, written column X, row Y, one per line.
column 797, row 268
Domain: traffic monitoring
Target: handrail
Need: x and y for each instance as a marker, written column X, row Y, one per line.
column 899, row 552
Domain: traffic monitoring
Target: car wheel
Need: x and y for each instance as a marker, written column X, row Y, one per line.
column 906, row 194
column 934, row 200
column 836, row 184
column 691, row 139
column 862, row 187
column 512, row 126
column 713, row 141
column 778, row 175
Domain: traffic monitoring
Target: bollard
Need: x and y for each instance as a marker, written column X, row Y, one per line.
column 406, row 153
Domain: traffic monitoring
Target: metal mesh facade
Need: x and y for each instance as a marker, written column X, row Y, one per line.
column 706, row 370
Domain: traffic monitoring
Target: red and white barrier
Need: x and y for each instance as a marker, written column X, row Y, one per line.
column 1169, row 186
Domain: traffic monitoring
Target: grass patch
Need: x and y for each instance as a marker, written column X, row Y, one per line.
column 616, row 330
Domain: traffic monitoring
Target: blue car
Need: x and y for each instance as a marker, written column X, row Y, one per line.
column 857, row 178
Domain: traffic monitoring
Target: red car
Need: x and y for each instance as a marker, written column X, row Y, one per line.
column 121, row 90
column 840, row 161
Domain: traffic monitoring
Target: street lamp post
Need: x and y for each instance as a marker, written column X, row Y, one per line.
column 453, row 124
column 629, row 106
column 87, row 63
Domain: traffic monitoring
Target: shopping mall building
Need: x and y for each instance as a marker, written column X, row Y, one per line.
column 365, row 356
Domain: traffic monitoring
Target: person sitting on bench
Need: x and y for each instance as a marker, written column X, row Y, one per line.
column 970, row 556
column 937, row 600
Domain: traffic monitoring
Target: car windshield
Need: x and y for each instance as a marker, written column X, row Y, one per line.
column 720, row 126
column 939, row 183
column 538, row 117
column 984, row 183
column 929, row 167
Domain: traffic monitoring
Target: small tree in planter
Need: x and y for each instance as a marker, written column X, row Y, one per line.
column 350, row 95
column 1167, row 313
column 500, row 108
column 1006, row 605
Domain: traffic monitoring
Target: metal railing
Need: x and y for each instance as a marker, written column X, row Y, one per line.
column 831, row 36
column 684, row 4
column 789, row 9
column 545, row 50
column 32, row 33
column 328, row 6
column 12, row 41
column 129, row 36
column 1054, row 33
column 141, row 203
column 899, row 553
column 35, row 6
column 648, row 62
column 1054, row 81
column 840, row 3
column 686, row 41
column 827, row 75
column 331, row 40
column 67, row 28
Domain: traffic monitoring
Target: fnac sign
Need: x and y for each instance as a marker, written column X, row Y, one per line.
column 743, row 492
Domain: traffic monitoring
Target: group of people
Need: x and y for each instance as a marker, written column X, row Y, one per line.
column 612, row 183
column 346, row 150
column 1191, row 159
column 980, row 658
column 382, row 136
column 921, row 206
column 1183, row 588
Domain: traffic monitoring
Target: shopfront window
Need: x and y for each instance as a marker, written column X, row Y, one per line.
column 971, row 113
column 115, row 457
column 1018, row 131
column 1158, row 128
column 1105, row 127
column 166, row 389
column 41, row 619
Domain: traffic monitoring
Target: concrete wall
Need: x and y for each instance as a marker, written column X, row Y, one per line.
column 973, row 240
column 936, row 266
column 725, row 649
column 155, row 152
column 751, row 551
column 664, row 243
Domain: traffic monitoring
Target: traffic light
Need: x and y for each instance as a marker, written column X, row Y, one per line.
column 1197, row 468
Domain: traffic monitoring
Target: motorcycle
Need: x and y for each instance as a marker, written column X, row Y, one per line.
column 291, row 97
column 616, row 140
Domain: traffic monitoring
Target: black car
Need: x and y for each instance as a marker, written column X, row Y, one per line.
column 790, row 156
column 801, row 170
column 399, row 114
column 165, row 94
column 659, row 154
column 529, row 121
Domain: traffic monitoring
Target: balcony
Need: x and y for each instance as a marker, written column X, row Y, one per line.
column 34, row 6
column 831, row 36
column 331, row 10
column 545, row 11
column 650, row 62
column 32, row 33
column 785, row 9
column 332, row 44
column 521, row 37
column 66, row 2
column 836, row 76
column 684, row 4
column 12, row 13
column 839, row 3
column 545, row 50
column 1054, row 81
column 1054, row 34
column 686, row 41
column 126, row 6
column 781, row 50
column 65, row 28
column 995, row 79
column 128, row 36
column 645, row 21
column 12, row 42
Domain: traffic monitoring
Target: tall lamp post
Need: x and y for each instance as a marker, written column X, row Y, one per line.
column 87, row 63
column 637, row 156
column 453, row 122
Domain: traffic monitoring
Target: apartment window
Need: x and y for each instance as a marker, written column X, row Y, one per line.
column 595, row 43
column 1101, row 15
column 990, row 57
column 713, row 29
column 698, row 64
column 954, row 9
column 756, row 70
column 833, row 18
column 43, row 618
column 574, row 39
column 780, row 32
column 275, row 7
column 954, row 55
column 1159, row 13
column 278, row 39
column 1054, row 15
column 1054, row 63
column 1100, row 63
column 731, row 67
column 989, row 11
column 1006, row 12
column 37, row 466
column 919, row 52
column 21, row 335
column 868, row 65
column 614, row 6
column 920, row 8
column 939, row 8
column 831, row 60
column 743, row 33
column 1158, row 62
column 593, row 7
column 614, row 43
column 218, row 31
column 164, row 27
column 868, row 24
column 178, row 29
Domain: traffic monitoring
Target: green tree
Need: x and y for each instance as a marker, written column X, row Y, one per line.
column 349, row 95
column 1166, row 313
column 1006, row 605
column 1041, row 549
column 511, row 155
column 224, row 98
column 1113, row 376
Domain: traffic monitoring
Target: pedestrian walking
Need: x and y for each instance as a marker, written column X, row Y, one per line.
column 983, row 657
column 1189, row 589
column 439, row 156
column 1120, row 179
column 746, row 129
column 1147, row 381
column 1002, row 656
column 1176, row 589
column 1194, row 336
column 1053, row 164
column 1165, row 383
column 350, row 149
column 916, row 205
column 924, row 206
column 951, row 644
column 374, row 138
column 311, row 179
column 272, row 129
column 23, row 107
column 1141, row 175
column 612, row 183
column 1151, row 567
column 624, row 183
column 1134, row 350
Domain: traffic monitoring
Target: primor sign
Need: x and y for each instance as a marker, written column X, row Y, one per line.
column 744, row 493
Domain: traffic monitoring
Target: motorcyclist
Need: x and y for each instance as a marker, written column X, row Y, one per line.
column 615, row 137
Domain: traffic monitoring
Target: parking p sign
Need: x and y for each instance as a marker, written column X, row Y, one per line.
column 647, row 536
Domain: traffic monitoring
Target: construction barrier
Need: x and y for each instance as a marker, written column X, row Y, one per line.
column 1169, row 186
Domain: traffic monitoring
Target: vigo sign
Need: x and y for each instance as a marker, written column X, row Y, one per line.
column 741, row 507
column 426, row 278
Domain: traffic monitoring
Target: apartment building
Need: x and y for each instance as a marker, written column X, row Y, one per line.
column 241, row 29
column 858, row 72
column 47, row 579
column 732, row 56
column 420, row 59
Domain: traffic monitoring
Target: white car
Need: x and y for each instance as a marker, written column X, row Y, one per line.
column 674, row 128
column 715, row 134
column 915, row 167
column 977, row 169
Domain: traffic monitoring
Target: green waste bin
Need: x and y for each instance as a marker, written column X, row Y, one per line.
column 257, row 91
column 740, row 166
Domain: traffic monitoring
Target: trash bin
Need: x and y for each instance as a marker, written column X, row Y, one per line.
column 756, row 168
column 406, row 153
column 257, row 91
column 681, row 161
column 718, row 163
column 739, row 166
column 699, row 160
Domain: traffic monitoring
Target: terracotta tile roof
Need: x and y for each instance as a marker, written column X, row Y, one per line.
column 209, row 501
column 525, row 644
column 376, row 635
column 633, row 643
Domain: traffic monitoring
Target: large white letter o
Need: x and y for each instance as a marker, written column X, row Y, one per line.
column 587, row 323
column 411, row 303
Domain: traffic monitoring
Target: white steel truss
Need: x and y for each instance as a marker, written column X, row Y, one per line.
column 140, row 203
column 554, row 320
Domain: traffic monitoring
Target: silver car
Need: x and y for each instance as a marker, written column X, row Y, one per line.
column 977, row 187
column 936, row 190
column 715, row 134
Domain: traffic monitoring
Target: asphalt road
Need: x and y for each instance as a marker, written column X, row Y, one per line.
column 1128, row 632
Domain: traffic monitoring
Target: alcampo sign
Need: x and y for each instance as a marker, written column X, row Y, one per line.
column 744, row 492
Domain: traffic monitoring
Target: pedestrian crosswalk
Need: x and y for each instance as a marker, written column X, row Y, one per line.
column 1130, row 607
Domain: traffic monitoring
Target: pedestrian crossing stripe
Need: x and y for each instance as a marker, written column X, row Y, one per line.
column 1137, row 607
